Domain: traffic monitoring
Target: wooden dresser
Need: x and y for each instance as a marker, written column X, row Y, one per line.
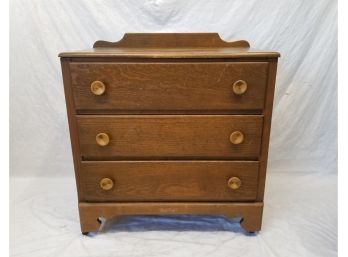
column 170, row 124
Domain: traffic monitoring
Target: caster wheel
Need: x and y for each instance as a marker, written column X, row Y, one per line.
column 85, row 233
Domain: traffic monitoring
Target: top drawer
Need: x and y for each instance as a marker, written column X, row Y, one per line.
column 149, row 87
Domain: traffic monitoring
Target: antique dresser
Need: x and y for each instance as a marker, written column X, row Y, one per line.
column 170, row 124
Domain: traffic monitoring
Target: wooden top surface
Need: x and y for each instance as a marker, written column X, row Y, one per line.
column 171, row 45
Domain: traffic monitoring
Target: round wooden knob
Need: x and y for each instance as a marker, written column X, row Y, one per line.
column 234, row 183
column 97, row 87
column 240, row 87
column 237, row 137
column 102, row 139
column 106, row 184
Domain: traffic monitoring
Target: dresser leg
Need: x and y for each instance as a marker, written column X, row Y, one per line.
column 252, row 220
column 251, row 216
column 251, row 223
column 89, row 221
column 91, row 218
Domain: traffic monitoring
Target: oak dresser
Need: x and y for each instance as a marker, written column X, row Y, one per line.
column 170, row 123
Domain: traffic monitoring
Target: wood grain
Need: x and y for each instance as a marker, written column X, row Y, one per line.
column 170, row 107
column 169, row 180
column 163, row 53
column 170, row 40
column 267, row 127
column 172, row 45
column 251, row 213
column 70, row 107
column 169, row 86
column 169, row 136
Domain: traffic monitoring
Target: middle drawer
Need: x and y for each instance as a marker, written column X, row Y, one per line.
column 107, row 137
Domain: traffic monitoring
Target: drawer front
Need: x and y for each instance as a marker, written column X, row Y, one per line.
column 169, row 136
column 169, row 181
column 169, row 86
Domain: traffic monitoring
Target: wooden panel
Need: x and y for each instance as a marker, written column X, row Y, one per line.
column 266, row 128
column 170, row 40
column 169, row 180
column 72, row 123
column 251, row 213
column 167, row 115
column 169, row 86
column 169, row 136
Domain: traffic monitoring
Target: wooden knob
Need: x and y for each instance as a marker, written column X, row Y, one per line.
column 106, row 184
column 102, row 139
column 97, row 87
column 237, row 137
column 240, row 87
column 234, row 183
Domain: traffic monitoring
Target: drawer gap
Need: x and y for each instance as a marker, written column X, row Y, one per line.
column 89, row 158
column 168, row 112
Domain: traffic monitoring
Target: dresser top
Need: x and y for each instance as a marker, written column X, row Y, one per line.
column 172, row 45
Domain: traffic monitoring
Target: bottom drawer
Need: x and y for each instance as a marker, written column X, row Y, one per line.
column 125, row 181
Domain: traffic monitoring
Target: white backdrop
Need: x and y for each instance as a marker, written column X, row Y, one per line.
column 303, row 137
column 300, row 215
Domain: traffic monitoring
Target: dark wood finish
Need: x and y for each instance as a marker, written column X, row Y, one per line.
column 162, row 53
column 172, row 45
column 267, row 127
column 251, row 213
column 169, row 136
column 169, row 86
column 72, row 124
column 127, row 59
column 170, row 40
column 169, row 180
column 164, row 106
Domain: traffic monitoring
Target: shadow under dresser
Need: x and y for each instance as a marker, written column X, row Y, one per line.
column 170, row 123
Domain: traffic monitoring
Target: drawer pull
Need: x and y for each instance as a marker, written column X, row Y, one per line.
column 234, row 183
column 240, row 87
column 102, row 139
column 106, row 184
column 97, row 87
column 237, row 137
